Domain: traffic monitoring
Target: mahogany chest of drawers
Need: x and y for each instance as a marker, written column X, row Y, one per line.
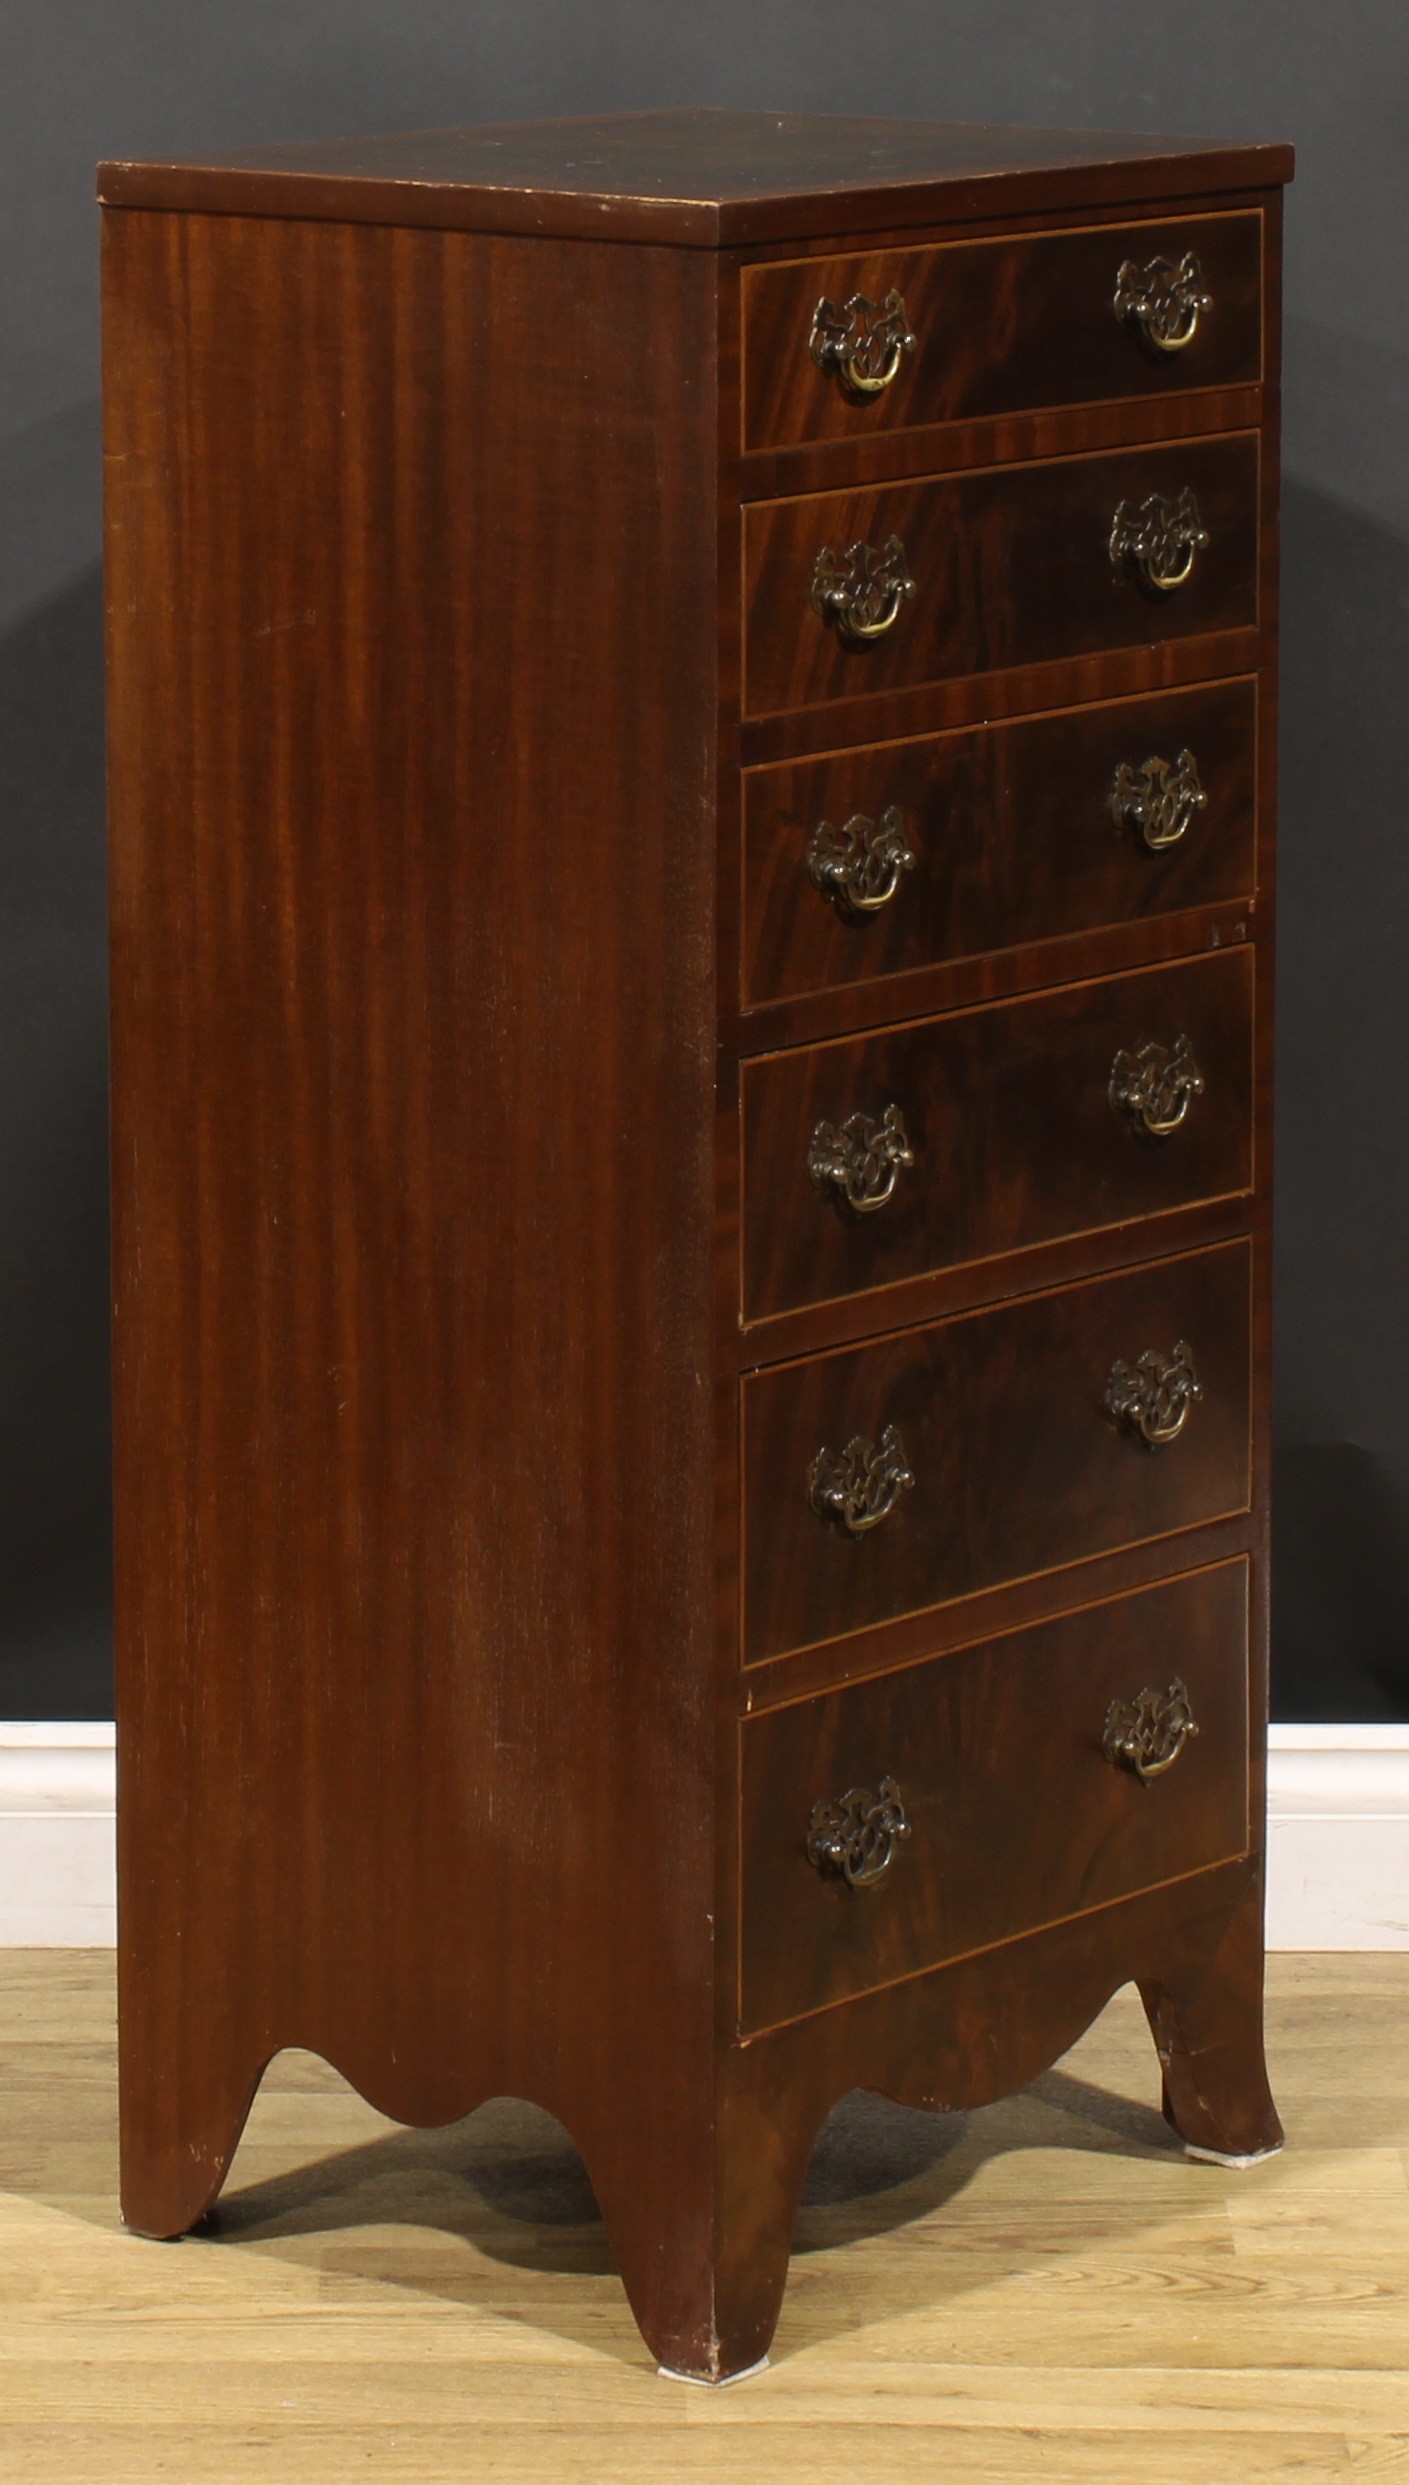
column 693, row 711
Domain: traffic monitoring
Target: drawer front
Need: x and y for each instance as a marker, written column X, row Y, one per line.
column 999, row 327
column 872, row 862
column 1009, row 566
column 995, row 1129
column 1000, row 1420
column 1012, row 1812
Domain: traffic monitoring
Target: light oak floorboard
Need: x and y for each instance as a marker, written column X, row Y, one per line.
column 1043, row 2290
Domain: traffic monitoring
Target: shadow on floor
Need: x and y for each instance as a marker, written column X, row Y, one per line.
column 509, row 2183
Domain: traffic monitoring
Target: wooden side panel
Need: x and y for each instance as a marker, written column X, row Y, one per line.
column 1011, row 566
column 412, row 557
column 1014, row 1815
column 999, row 325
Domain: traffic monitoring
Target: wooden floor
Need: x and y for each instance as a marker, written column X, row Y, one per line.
column 1045, row 2290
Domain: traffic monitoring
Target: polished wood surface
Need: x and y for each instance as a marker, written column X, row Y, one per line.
column 396, row 1189
column 1017, row 1467
column 1009, row 1731
column 1006, row 439
column 427, row 653
column 999, row 326
column 1012, row 835
column 1012, row 567
column 865, row 715
column 693, row 176
column 1044, row 2284
column 1008, row 1118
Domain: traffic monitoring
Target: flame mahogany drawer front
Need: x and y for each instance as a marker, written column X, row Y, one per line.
column 869, row 862
column 999, row 327
column 1003, row 567
column 986, row 1448
column 869, row 1847
column 957, row 1138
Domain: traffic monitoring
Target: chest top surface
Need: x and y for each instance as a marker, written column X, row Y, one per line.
column 699, row 177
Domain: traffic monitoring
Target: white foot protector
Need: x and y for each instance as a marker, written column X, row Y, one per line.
column 667, row 2372
column 1216, row 2157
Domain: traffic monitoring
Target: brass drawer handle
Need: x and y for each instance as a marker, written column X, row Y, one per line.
column 1149, row 1733
column 861, row 590
column 1160, row 538
column 863, row 344
column 1155, row 1086
column 1163, row 300
column 860, row 1158
column 1158, row 800
column 860, row 1485
column 857, row 1834
column 858, row 865
column 1152, row 1396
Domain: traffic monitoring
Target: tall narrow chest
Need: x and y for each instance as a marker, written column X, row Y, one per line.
column 692, row 752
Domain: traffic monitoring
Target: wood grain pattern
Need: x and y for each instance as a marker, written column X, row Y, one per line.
column 1009, row 1123
column 1012, row 567
column 1017, row 1469
column 1000, row 325
column 995, row 439
column 1016, row 1605
column 1007, row 1731
column 698, row 177
column 396, row 1202
column 1012, row 835
column 914, row 708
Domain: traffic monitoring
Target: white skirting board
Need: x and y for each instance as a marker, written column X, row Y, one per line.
column 1337, row 1837
column 57, row 1814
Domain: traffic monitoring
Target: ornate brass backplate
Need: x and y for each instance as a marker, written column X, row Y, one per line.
column 1159, row 538
column 1155, row 1085
column 1158, row 800
column 860, row 1485
column 861, row 591
column 1148, row 1734
column 857, row 1834
column 1164, row 300
column 863, row 344
column 1153, row 1395
column 859, row 1159
column 858, row 865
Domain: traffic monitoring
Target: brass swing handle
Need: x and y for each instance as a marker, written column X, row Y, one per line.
column 860, row 1159
column 860, row 1485
column 861, row 591
column 1153, row 1396
column 1160, row 539
column 856, row 1834
column 863, row 344
column 1158, row 800
column 1148, row 1734
column 1155, row 1085
column 858, row 865
column 1164, row 300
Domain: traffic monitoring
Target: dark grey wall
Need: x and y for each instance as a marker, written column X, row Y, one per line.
column 80, row 79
